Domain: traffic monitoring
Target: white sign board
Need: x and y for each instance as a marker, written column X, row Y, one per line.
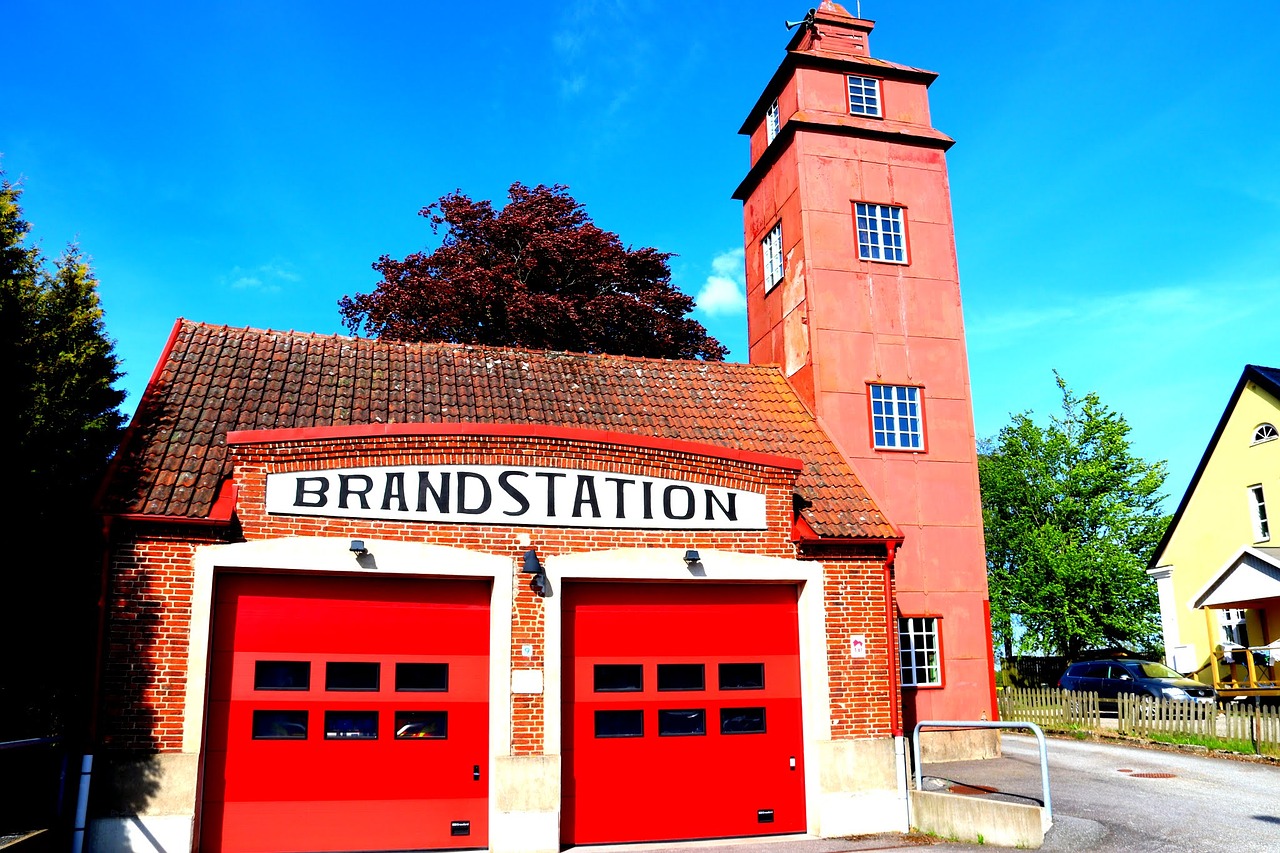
column 511, row 496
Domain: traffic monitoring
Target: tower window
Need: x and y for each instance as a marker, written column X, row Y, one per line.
column 896, row 422
column 921, row 664
column 880, row 233
column 1264, row 432
column 864, row 96
column 772, row 122
column 1258, row 503
column 771, row 248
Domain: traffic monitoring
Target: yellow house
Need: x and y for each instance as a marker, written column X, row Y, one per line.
column 1217, row 569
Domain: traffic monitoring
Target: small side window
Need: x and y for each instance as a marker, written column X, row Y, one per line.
column 351, row 675
column 684, row 722
column 424, row 677
column 682, row 676
column 281, row 675
column 618, row 678
column 422, row 725
column 351, row 725
column 279, row 725
column 619, row 724
column 1264, row 432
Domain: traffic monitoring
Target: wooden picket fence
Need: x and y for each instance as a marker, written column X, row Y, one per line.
column 1063, row 710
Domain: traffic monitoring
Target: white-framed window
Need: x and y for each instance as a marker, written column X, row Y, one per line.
column 864, row 96
column 772, row 121
column 1265, row 432
column 1233, row 627
column 896, row 420
column 771, row 248
column 1258, row 512
column 881, row 233
column 918, row 651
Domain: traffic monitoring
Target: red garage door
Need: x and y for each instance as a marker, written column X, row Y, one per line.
column 682, row 712
column 347, row 714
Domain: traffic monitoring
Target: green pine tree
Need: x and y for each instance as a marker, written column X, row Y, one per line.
column 64, row 423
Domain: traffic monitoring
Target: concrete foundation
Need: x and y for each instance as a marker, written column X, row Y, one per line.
column 978, row 820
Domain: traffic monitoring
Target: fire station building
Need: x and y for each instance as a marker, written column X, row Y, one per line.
column 366, row 595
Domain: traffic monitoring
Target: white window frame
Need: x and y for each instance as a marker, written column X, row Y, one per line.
column 1234, row 629
column 882, row 232
column 771, row 251
column 772, row 122
column 1258, row 514
column 864, row 96
column 1265, row 432
column 920, row 651
column 897, row 416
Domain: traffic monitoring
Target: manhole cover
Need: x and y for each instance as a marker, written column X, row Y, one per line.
column 1152, row 775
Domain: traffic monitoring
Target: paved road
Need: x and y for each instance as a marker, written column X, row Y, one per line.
column 1108, row 797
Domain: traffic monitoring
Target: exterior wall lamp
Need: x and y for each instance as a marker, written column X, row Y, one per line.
column 357, row 548
column 691, row 557
column 532, row 566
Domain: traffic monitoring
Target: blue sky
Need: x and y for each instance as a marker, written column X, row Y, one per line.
column 1115, row 182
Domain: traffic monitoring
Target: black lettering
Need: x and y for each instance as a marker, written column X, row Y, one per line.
column 621, row 505
column 395, row 492
column 551, row 491
column 318, row 489
column 354, row 485
column 648, row 498
column 504, row 480
column 441, row 497
column 666, row 502
column 586, row 494
column 730, row 511
column 485, row 501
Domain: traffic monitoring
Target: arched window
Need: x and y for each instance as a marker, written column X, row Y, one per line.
column 1264, row 432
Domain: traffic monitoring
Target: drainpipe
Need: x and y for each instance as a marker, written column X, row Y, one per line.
column 895, row 688
column 95, row 697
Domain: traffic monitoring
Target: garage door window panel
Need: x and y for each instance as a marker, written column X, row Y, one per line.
column 422, row 725
column 742, row 721
column 682, row 722
column 282, row 675
column 618, row 678
column 279, row 725
column 619, row 724
column 741, row 676
column 351, row 676
column 422, row 677
column 351, row 725
column 681, row 676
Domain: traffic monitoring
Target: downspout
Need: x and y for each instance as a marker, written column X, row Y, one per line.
column 95, row 697
column 895, row 688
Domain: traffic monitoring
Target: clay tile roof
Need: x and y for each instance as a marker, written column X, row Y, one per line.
column 214, row 380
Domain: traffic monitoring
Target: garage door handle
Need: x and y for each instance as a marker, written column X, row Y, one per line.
column 793, row 762
column 475, row 772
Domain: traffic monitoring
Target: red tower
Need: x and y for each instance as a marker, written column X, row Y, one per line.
column 853, row 287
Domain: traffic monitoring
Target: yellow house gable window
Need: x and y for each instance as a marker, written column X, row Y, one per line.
column 1258, row 505
column 1264, row 432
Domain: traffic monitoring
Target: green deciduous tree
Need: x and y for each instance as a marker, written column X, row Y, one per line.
column 537, row 274
column 1071, row 518
column 63, row 420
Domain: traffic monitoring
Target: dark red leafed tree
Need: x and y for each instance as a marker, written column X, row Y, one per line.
column 537, row 274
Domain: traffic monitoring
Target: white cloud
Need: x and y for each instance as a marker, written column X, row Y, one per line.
column 266, row 278
column 724, row 292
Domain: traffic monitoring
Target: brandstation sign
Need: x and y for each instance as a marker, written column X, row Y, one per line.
column 514, row 496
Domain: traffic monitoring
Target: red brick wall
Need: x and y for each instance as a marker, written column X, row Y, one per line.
column 144, row 675
column 151, row 583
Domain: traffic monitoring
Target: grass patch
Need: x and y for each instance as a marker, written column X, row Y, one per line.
column 1230, row 745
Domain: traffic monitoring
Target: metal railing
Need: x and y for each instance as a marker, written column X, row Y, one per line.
column 986, row 724
column 35, row 799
